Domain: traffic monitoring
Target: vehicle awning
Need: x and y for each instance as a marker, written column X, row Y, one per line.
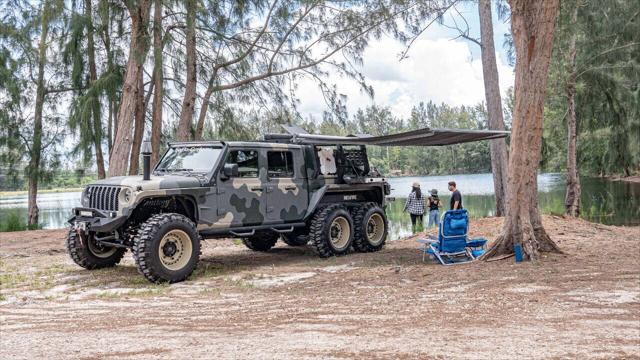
column 420, row 137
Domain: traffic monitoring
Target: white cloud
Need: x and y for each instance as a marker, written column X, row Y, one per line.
column 440, row 70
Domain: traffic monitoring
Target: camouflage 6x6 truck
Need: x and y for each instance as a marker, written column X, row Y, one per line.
column 257, row 191
column 297, row 187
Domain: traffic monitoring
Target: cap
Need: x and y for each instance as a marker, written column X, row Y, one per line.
column 434, row 192
column 416, row 184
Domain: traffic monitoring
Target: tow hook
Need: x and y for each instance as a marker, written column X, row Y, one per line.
column 81, row 230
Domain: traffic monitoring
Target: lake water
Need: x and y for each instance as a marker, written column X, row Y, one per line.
column 607, row 202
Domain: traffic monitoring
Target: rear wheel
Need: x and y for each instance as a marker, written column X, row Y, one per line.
column 372, row 228
column 331, row 231
column 167, row 248
column 90, row 254
column 262, row 241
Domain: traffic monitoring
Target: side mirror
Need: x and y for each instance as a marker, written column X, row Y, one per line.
column 229, row 171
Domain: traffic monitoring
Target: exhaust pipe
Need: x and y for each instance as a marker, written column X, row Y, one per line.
column 146, row 160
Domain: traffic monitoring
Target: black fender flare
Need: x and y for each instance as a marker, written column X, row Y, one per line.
column 314, row 201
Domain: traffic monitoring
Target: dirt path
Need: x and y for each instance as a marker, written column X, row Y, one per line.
column 290, row 304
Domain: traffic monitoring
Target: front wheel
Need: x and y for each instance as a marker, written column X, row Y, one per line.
column 89, row 253
column 166, row 248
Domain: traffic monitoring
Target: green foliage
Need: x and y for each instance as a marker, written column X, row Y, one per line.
column 15, row 221
column 607, row 89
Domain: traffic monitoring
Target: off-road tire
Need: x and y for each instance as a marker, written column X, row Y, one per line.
column 82, row 255
column 361, row 216
column 320, row 227
column 296, row 238
column 262, row 241
column 146, row 247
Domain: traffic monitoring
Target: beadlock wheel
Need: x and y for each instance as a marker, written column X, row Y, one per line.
column 340, row 232
column 166, row 248
column 175, row 249
column 375, row 229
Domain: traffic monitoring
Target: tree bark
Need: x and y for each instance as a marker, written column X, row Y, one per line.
column 572, row 198
column 189, row 100
column 497, row 147
column 138, row 133
column 137, row 53
column 36, row 146
column 93, row 77
column 532, row 26
column 156, row 120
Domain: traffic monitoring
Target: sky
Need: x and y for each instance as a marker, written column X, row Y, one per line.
column 439, row 68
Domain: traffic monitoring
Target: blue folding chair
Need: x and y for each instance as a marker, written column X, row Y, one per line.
column 452, row 245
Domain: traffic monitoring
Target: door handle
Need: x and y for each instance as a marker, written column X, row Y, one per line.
column 257, row 188
column 290, row 187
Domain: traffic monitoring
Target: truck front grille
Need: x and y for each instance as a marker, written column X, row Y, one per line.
column 103, row 197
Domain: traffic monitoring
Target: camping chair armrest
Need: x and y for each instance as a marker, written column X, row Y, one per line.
column 427, row 241
column 476, row 243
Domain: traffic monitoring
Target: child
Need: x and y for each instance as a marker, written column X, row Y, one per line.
column 433, row 202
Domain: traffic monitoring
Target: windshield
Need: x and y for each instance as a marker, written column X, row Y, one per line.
column 190, row 159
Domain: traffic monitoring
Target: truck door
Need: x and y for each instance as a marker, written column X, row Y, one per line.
column 242, row 199
column 287, row 196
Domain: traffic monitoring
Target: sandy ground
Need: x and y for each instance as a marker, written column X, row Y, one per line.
column 289, row 304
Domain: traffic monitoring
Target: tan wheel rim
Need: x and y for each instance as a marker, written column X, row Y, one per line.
column 100, row 251
column 175, row 250
column 339, row 232
column 375, row 229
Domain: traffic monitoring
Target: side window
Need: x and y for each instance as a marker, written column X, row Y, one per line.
column 280, row 164
column 247, row 161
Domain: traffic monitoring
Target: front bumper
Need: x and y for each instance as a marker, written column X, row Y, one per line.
column 96, row 220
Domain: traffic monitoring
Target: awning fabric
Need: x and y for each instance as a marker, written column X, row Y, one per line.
column 420, row 137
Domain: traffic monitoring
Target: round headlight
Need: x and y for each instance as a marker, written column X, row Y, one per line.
column 84, row 198
column 127, row 195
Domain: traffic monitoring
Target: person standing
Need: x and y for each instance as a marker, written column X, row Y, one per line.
column 456, row 197
column 434, row 204
column 415, row 207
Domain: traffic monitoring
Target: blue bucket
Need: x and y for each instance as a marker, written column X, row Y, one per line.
column 517, row 249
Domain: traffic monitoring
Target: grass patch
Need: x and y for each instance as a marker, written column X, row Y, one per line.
column 206, row 270
column 40, row 280
column 13, row 220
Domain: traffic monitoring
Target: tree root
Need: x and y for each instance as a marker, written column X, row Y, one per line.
column 534, row 242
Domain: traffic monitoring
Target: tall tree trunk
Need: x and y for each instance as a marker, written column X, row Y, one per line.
column 156, row 120
column 93, row 77
column 497, row 147
column 189, row 100
column 138, row 48
column 138, row 133
column 205, row 106
column 572, row 198
column 110, row 126
column 110, row 97
column 36, row 146
column 532, row 26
